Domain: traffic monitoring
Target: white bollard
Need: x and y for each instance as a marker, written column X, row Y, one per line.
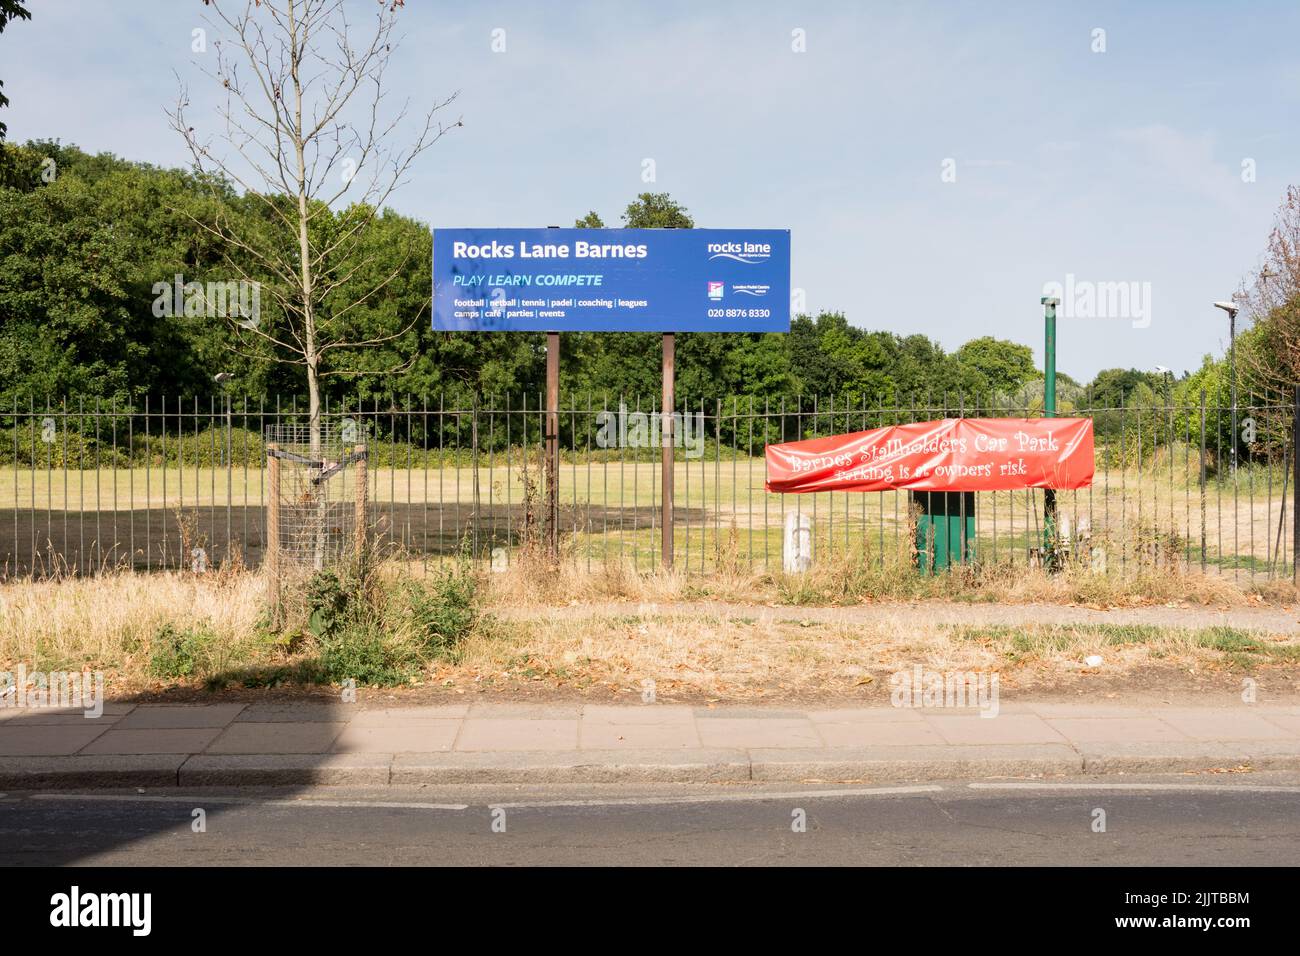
column 797, row 550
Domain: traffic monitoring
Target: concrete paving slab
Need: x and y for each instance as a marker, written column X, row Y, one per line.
column 48, row 740
column 1288, row 722
column 744, row 732
column 1227, row 725
column 60, row 714
column 512, row 711
column 387, row 716
column 1090, row 709
column 735, row 711
column 417, row 736
column 1008, row 729
column 297, row 713
column 180, row 716
column 892, row 733
column 865, row 715
column 1115, row 729
column 40, row 717
column 313, row 737
column 153, row 741
column 599, row 735
column 481, row 733
column 638, row 714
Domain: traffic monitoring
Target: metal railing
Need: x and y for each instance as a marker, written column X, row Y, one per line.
column 179, row 483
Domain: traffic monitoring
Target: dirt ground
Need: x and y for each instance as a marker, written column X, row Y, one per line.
column 923, row 614
column 1122, row 678
column 1164, row 686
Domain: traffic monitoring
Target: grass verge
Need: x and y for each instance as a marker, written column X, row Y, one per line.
column 395, row 625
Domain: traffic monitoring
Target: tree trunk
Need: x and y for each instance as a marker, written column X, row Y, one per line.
column 312, row 357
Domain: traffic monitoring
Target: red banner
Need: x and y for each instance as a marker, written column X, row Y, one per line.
column 955, row 454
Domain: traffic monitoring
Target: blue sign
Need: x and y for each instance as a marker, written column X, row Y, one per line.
column 611, row 280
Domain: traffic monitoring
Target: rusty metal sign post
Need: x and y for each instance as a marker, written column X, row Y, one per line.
column 666, row 439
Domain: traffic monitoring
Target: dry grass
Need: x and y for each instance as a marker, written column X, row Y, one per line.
column 108, row 622
column 543, row 627
column 749, row 658
column 842, row 580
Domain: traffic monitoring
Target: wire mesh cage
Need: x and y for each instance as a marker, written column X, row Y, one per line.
column 318, row 493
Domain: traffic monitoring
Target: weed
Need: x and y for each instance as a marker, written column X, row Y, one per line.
column 443, row 609
column 180, row 653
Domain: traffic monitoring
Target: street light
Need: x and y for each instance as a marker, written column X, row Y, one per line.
column 1164, row 372
column 1231, row 308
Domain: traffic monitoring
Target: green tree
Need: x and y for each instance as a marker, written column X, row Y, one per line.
column 627, row 363
column 9, row 10
column 80, row 256
column 1114, row 387
column 1000, row 366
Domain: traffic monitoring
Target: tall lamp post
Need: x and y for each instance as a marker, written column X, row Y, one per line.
column 1050, row 544
column 1231, row 308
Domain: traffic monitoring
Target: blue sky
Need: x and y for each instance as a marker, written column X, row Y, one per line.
column 1115, row 166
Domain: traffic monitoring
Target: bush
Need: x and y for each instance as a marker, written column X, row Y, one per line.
column 443, row 610
column 365, row 653
column 329, row 600
column 180, row 653
column 384, row 632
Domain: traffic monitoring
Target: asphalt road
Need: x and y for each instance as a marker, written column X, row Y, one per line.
column 1180, row 822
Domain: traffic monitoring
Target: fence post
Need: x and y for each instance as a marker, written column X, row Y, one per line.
column 272, row 551
column 1295, row 483
column 552, row 441
column 666, row 438
column 363, row 491
column 1203, row 476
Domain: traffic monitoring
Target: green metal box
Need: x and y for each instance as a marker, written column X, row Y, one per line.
column 945, row 529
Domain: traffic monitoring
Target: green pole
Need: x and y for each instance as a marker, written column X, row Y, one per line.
column 1049, row 411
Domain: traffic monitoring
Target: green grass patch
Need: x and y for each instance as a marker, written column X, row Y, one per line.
column 1239, row 647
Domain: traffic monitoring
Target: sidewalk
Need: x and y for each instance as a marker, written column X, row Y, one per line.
column 315, row 743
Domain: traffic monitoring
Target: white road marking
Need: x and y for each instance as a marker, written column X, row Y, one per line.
column 750, row 797
column 199, row 800
column 721, row 797
column 1216, row 788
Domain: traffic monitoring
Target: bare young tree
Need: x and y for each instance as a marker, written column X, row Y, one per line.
column 1273, row 302
column 302, row 126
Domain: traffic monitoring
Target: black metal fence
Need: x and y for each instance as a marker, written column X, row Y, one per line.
column 89, row 486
